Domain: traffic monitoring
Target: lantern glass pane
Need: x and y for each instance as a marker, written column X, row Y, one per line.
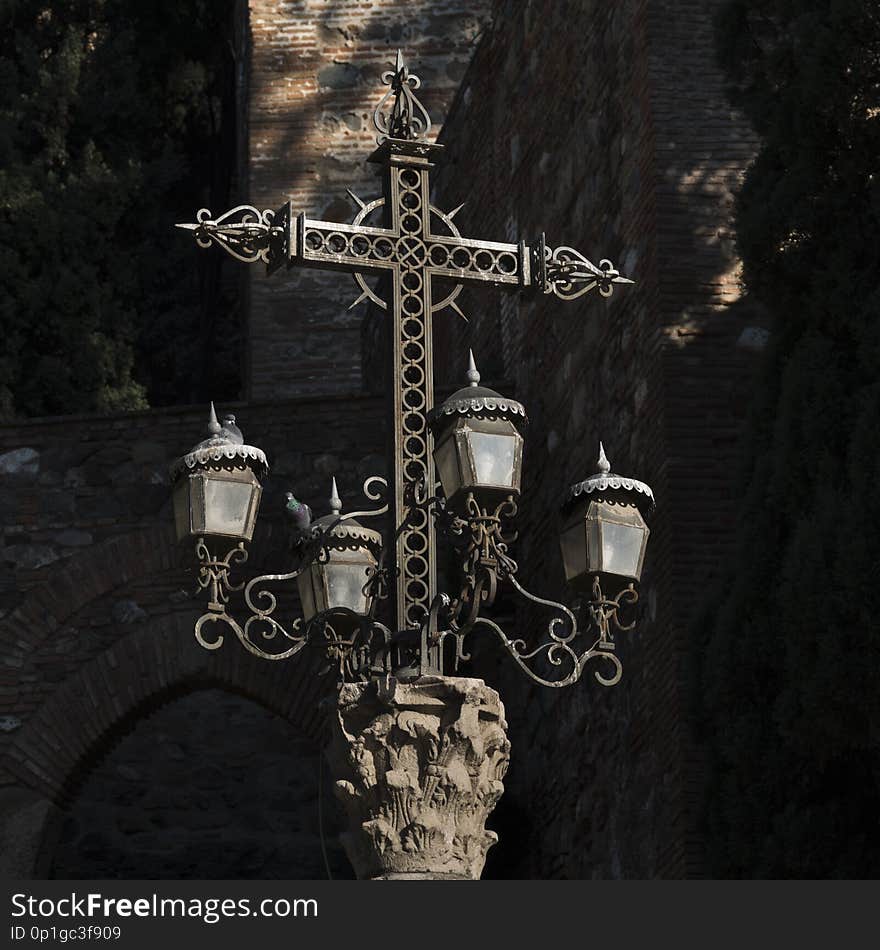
column 227, row 507
column 305, row 583
column 346, row 575
column 181, row 502
column 493, row 458
column 446, row 460
column 621, row 547
column 572, row 540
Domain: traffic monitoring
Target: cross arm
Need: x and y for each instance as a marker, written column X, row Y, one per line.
column 246, row 233
column 276, row 238
column 562, row 271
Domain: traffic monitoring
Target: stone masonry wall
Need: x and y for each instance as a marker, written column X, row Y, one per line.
column 314, row 83
column 606, row 126
column 209, row 786
column 96, row 634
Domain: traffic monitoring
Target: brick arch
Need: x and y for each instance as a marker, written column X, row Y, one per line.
column 71, row 584
column 160, row 661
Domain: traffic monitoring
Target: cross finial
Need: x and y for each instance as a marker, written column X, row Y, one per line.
column 407, row 118
column 335, row 500
column 603, row 463
column 213, row 424
column 473, row 376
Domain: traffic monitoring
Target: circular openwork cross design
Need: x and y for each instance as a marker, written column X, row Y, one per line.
column 411, row 251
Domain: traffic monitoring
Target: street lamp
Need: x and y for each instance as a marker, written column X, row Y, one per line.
column 216, row 485
column 342, row 579
column 604, row 531
column 477, row 446
column 419, row 768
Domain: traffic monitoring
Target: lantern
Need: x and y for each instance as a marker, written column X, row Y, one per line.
column 603, row 528
column 477, row 446
column 216, row 487
column 340, row 577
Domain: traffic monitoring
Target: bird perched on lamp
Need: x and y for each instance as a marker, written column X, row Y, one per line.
column 299, row 518
column 231, row 430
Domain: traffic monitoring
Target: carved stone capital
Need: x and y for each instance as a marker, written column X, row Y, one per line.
column 418, row 766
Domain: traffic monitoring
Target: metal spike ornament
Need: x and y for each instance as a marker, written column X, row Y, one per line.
column 335, row 500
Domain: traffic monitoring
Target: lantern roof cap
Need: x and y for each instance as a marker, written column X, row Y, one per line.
column 477, row 400
column 223, row 449
column 605, row 482
column 348, row 532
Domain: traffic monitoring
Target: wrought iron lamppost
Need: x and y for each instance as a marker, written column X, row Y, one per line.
column 419, row 754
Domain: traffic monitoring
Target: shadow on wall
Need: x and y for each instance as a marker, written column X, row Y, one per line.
column 607, row 126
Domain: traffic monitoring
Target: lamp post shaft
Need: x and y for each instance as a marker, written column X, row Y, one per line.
column 416, row 246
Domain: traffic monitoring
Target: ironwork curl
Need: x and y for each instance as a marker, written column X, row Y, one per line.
column 214, row 572
column 372, row 494
column 485, row 565
column 262, row 625
column 244, row 232
column 566, row 273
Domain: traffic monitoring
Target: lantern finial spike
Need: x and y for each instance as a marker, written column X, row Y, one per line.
column 213, row 424
column 473, row 375
column 335, row 500
column 604, row 465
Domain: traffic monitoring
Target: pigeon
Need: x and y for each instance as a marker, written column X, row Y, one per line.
column 230, row 430
column 299, row 517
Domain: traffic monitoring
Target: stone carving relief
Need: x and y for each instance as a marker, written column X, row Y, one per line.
column 419, row 766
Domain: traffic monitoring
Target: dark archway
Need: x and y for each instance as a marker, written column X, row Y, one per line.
column 209, row 786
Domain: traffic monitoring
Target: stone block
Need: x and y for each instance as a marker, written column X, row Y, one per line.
column 22, row 462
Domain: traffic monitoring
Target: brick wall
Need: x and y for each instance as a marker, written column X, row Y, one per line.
column 314, row 82
column 606, row 125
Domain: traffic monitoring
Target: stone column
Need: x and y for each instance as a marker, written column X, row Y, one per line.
column 418, row 766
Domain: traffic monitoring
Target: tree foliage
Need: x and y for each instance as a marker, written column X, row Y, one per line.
column 116, row 118
column 789, row 691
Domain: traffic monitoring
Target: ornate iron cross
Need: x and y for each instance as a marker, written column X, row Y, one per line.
column 415, row 245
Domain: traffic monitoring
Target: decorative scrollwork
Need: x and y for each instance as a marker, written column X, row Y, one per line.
column 214, row 573
column 244, row 232
column 407, row 118
column 261, row 625
column 375, row 488
column 481, row 536
column 352, row 654
column 485, row 564
column 565, row 272
column 358, row 654
column 562, row 630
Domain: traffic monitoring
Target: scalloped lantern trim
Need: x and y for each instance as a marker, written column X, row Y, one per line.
column 602, row 482
column 501, row 406
column 350, row 531
column 207, row 457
